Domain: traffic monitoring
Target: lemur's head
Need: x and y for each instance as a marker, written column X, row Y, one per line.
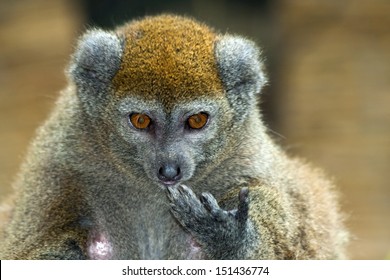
column 170, row 92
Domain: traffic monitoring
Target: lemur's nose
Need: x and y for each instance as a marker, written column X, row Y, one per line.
column 169, row 173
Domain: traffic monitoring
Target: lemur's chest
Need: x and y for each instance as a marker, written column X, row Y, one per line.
column 144, row 232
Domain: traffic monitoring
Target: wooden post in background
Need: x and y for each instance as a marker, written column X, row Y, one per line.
column 333, row 102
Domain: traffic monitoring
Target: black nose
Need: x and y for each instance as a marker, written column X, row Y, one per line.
column 169, row 172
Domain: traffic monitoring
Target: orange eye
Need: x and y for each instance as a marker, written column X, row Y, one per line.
column 140, row 121
column 198, row 121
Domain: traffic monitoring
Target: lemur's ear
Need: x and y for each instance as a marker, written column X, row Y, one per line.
column 97, row 57
column 241, row 71
column 95, row 62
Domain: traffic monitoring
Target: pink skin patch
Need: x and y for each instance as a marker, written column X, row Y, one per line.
column 99, row 248
column 195, row 250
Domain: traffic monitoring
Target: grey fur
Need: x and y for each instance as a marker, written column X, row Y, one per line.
column 91, row 177
column 94, row 64
column 241, row 71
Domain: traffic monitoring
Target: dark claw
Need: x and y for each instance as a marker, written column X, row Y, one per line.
column 209, row 201
column 243, row 205
column 244, row 194
column 184, row 190
column 169, row 192
column 211, row 205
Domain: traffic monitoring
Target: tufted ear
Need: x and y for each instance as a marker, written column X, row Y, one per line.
column 241, row 71
column 96, row 60
column 97, row 57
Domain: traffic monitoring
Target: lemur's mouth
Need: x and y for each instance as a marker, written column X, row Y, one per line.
column 169, row 183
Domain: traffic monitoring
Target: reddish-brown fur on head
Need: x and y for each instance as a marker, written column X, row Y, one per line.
column 167, row 58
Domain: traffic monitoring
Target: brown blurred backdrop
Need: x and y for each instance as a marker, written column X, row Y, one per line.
column 328, row 100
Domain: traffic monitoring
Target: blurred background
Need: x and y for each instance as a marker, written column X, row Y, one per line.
column 328, row 98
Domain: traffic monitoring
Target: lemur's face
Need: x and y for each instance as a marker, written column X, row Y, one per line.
column 168, row 97
column 172, row 145
column 168, row 86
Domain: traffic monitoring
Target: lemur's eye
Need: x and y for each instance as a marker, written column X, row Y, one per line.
column 198, row 121
column 140, row 121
